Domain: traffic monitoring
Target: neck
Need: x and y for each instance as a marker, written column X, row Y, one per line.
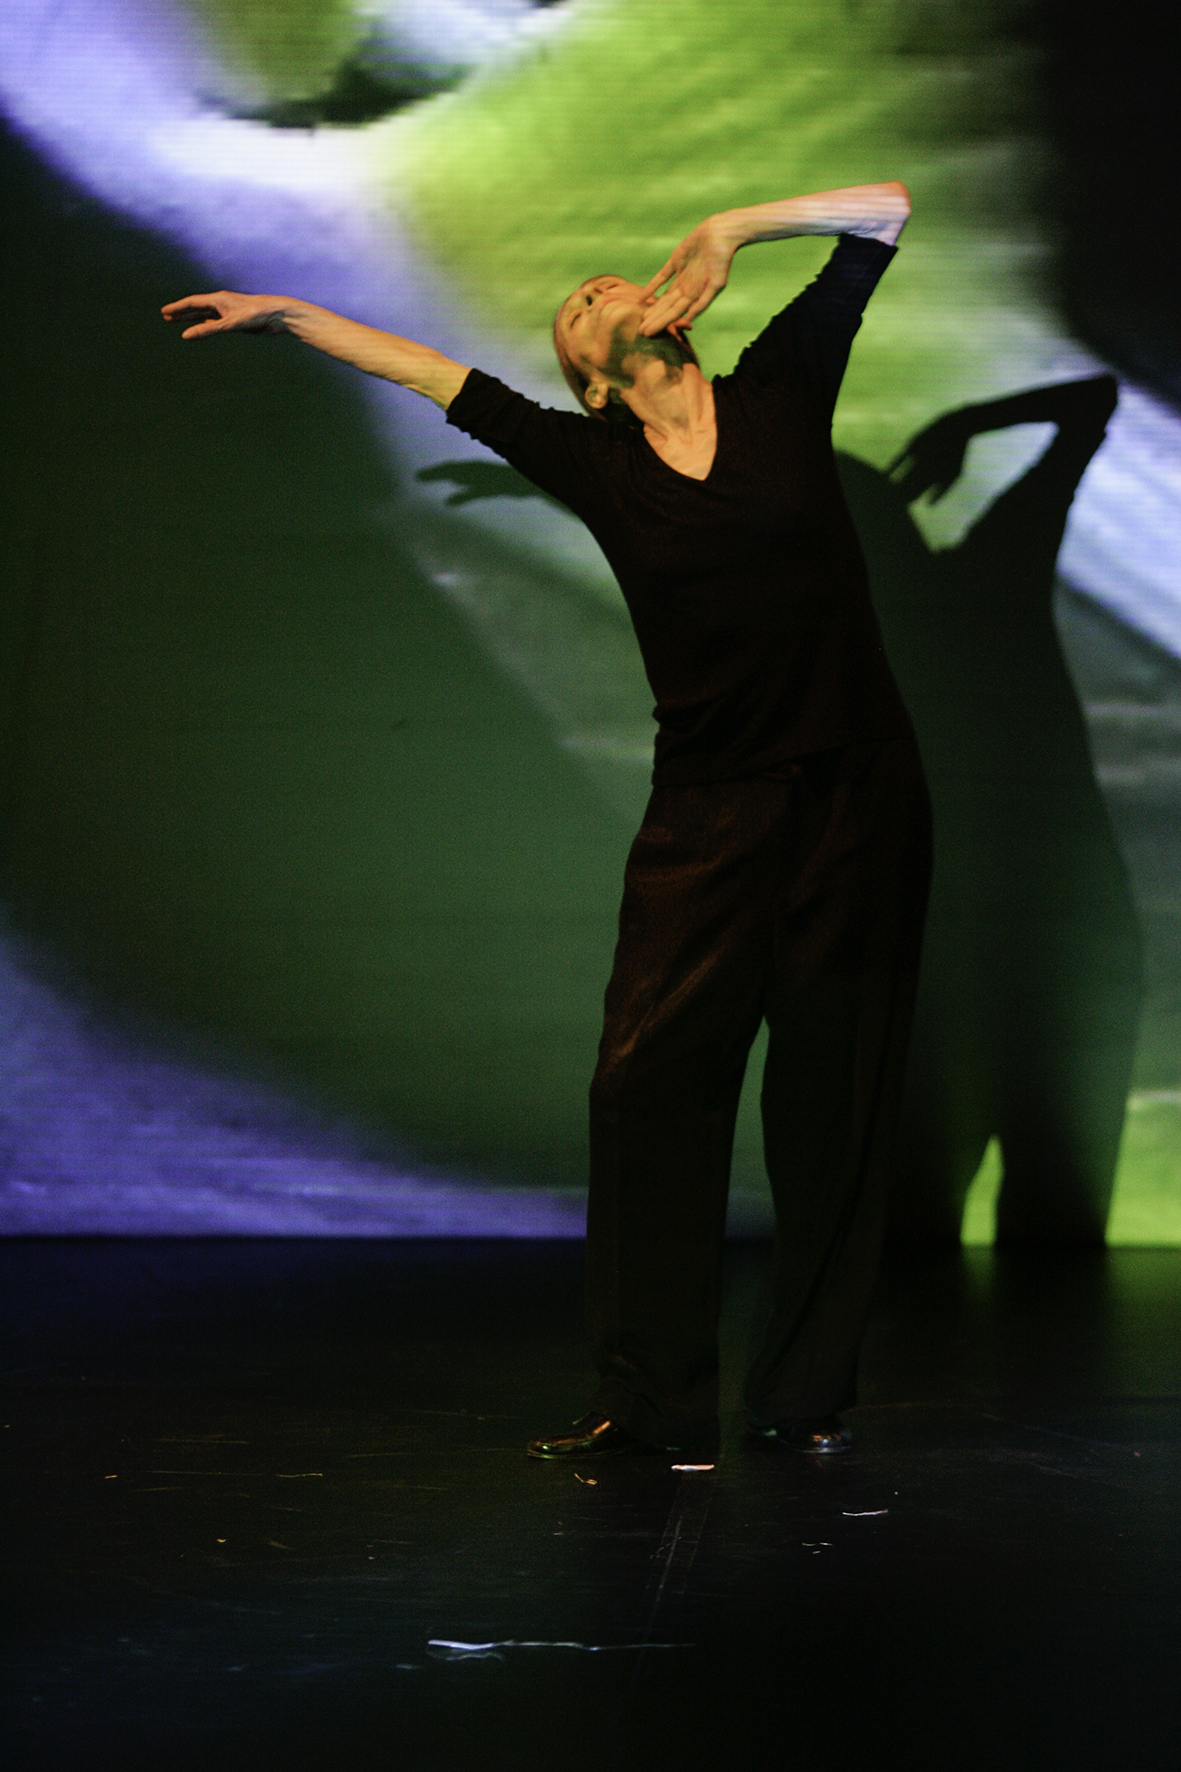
column 674, row 402
column 670, row 397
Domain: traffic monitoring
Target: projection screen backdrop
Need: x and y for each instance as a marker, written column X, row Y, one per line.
column 326, row 736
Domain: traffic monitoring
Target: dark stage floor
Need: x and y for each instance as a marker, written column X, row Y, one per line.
column 249, row 1482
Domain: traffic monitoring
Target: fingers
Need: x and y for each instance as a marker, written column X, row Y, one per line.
column 672, row 309
column 207, row 304
column 662, row 276
column 673, row 305
column 202, row 314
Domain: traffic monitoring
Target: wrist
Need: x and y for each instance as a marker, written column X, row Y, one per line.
column 298, row 317
column 731, row 228
column 767, row 221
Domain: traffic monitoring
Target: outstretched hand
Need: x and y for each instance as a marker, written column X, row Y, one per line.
column 695, row 273
column 226, row 312
column 933, row 460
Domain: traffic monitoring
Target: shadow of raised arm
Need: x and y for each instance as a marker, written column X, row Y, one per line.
column 933, row 459
column 484, row 479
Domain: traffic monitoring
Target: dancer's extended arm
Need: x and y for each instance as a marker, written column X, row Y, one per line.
column 378, row 353
column 700, row 265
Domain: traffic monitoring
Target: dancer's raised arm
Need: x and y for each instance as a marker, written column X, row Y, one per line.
column 700, row 265
column 378, row 353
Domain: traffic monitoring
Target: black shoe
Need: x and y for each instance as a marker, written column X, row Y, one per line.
column 595, row 1436
column 824, row 1434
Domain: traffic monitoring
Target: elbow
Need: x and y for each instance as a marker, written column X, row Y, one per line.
column 895, row 212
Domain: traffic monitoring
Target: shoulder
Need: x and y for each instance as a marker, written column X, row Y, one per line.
column 484, row 397
column 564, row 453
column 489, row 410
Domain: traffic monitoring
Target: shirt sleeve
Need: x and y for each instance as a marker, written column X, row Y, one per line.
column 558, row 451
column 810, row 340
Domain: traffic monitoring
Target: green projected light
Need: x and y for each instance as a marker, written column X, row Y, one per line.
column 1146, row 1209
column 606, row 143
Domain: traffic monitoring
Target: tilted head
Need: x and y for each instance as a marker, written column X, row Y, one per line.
column 596, row 329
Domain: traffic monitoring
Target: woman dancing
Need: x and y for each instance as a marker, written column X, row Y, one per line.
column 781, row 869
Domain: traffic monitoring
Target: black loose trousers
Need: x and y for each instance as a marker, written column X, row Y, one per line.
column 780, row 873
column 799, row 898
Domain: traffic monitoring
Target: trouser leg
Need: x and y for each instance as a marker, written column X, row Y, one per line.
column 848, row 932
column 683, row 1005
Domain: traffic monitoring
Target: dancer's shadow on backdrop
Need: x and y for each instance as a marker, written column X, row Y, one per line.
column 1030, row 989
column 475, row 480
column 1029, row 996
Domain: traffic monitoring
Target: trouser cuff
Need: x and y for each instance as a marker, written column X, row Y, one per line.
column 653, row 1423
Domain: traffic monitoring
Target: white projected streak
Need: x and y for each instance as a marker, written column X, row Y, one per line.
column 1123, row 543
column 110, row 93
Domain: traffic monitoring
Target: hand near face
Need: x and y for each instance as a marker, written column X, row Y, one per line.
column 698, row 268
column 226, row 311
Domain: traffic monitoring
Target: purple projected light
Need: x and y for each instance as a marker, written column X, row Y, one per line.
column 100, row 1138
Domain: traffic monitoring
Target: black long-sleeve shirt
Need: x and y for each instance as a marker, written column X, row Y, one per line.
column 747, row 589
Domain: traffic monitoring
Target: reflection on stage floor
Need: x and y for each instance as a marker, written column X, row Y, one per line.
column 269, row 1504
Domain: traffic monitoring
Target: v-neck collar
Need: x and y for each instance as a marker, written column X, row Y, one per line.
column 691, row 479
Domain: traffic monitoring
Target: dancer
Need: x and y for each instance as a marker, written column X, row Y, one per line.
column 781, row 869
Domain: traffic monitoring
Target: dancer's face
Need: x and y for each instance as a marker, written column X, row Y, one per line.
column 599, row 325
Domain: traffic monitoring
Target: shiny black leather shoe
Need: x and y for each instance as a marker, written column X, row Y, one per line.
column 823, row 1434
column 595, row 1436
